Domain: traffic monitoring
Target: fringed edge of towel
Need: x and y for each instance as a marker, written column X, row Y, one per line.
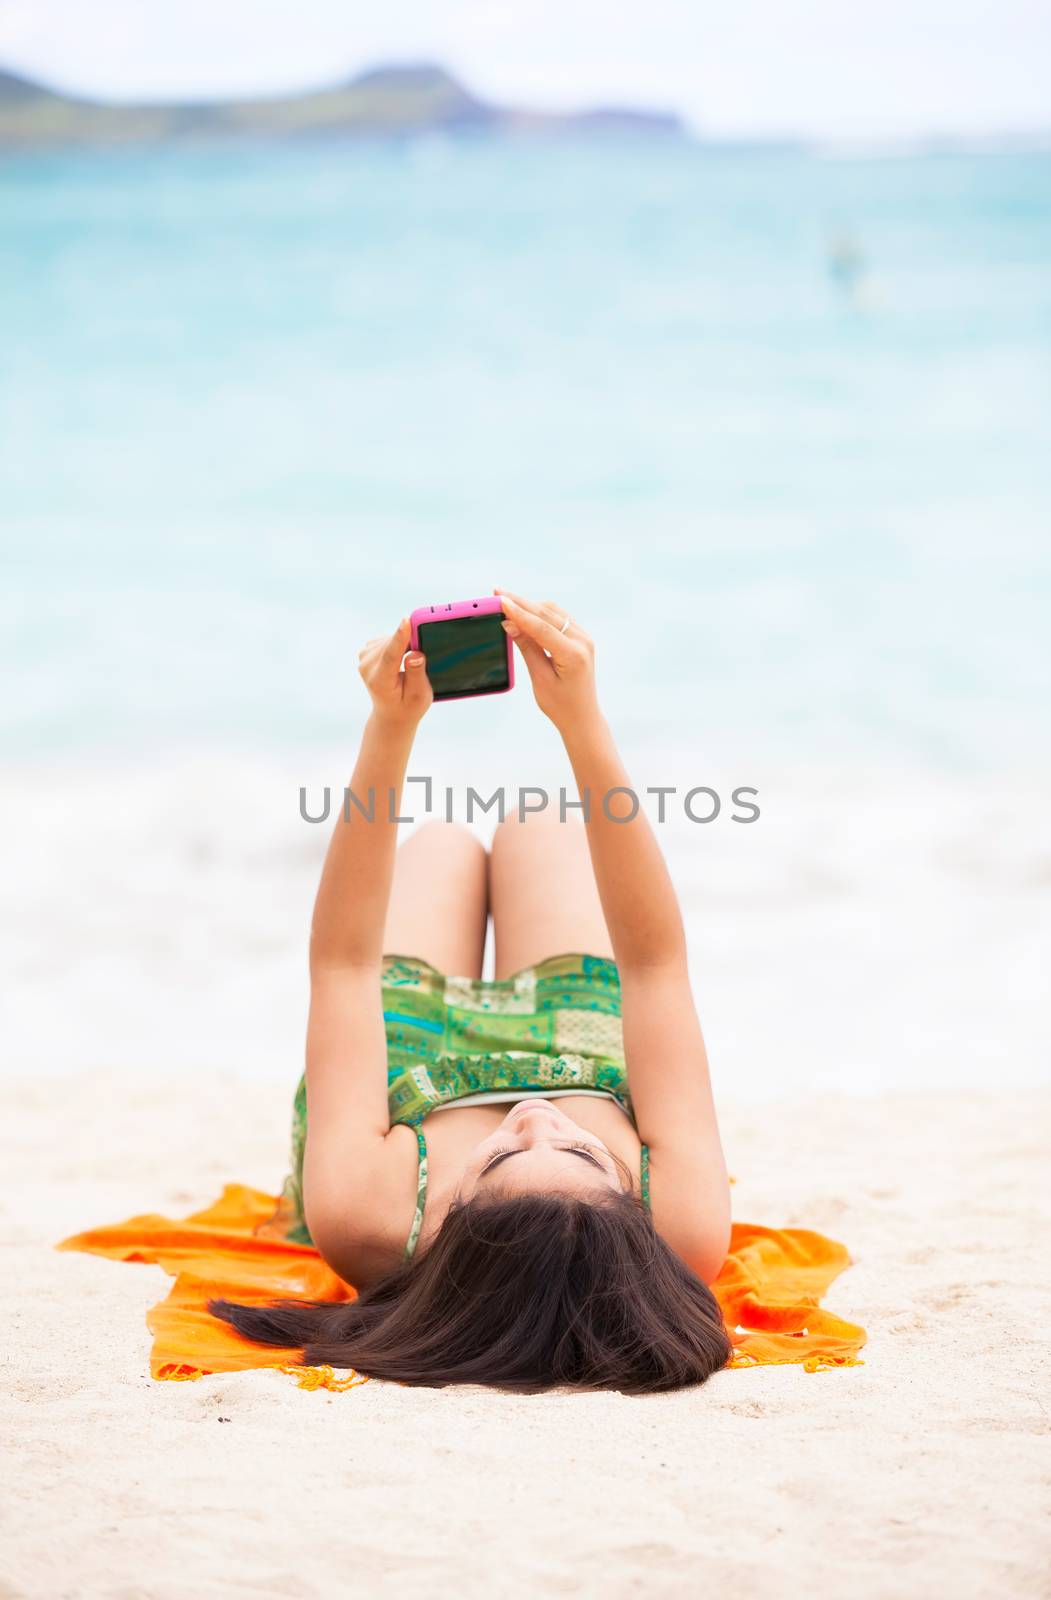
column 325, row 1378
column 822, row 1363
column 306, row 1377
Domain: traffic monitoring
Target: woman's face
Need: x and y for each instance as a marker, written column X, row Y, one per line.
column 539, row 1150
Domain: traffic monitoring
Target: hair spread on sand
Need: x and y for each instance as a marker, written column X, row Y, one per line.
column 526, row 1293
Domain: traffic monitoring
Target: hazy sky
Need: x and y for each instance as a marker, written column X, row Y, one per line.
column 836, row 67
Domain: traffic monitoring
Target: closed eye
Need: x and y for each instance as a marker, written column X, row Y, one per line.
column 575, row 1149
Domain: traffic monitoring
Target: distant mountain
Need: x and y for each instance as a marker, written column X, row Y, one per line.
column 392, row 100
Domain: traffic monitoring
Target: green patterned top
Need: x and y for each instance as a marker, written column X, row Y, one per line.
column 555, row 1026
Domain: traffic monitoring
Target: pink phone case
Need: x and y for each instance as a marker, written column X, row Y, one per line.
column 464, row 608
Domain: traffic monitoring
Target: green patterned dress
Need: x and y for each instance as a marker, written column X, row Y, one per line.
column 551, row 1028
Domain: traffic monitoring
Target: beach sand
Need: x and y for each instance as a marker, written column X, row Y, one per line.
column 923, row 1472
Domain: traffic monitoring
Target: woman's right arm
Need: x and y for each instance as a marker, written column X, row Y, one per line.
column 666, row 1059
column 350, row 1186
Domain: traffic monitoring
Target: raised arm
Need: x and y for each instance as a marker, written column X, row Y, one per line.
column 667, row 1064
column 345, row 1175
column 351, row 905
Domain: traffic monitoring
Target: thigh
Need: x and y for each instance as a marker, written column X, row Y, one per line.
column 542, row 893
column 438, row 904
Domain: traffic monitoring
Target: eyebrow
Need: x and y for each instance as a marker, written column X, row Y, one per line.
column 571, row 1149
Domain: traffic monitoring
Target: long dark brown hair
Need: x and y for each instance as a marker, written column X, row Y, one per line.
column 526, row 1293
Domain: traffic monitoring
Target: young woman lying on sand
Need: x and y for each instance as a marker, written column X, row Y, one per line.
column 522, row 1177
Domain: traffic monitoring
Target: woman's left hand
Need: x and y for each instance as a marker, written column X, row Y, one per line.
column 400, row 694
column 560, row 657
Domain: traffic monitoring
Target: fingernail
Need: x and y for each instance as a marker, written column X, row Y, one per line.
column 510, row 628
column 416, row 661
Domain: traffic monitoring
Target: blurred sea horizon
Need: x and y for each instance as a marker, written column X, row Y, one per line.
column 774, row 427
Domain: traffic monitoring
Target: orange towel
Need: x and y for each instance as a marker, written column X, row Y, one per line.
column 769, row 1289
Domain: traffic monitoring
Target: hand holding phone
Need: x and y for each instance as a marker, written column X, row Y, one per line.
column 465, row 646
column 560, row 657
column 400, row 693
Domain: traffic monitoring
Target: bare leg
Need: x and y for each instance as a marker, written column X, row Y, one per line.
column 438, row 901
column 542, row 894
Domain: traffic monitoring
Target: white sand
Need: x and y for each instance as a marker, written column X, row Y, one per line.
column 924, row 1472
column 872, row 934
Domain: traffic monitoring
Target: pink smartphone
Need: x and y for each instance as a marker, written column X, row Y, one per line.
column 467, row 650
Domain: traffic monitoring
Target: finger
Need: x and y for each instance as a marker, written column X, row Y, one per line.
column 369, row 646
column 546, row 610
column 551, row 611
column 369, row 659
column 523, row 601
column 535, row 628
column 416, row 687
column 398, row 643
column 537, row 663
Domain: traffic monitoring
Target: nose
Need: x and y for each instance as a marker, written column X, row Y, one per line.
column 534, row 1115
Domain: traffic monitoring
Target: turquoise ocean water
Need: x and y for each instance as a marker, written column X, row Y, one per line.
column 257, row 403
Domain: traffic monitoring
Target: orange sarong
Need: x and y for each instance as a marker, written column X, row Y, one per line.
column 769, row 1290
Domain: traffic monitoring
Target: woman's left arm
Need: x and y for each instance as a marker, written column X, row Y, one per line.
column 346, row 1070
column 667, row 1063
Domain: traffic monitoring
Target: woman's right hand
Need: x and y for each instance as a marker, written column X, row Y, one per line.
column 400, row 694
column 561, row 664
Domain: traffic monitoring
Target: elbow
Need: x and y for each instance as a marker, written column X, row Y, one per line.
column 709, row 1263
column 327, row 952
column 658, row 957
column 705, row 1247
column 319, row 952
column 652, row 945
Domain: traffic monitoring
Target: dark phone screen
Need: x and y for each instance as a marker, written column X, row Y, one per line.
column 465, row 655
